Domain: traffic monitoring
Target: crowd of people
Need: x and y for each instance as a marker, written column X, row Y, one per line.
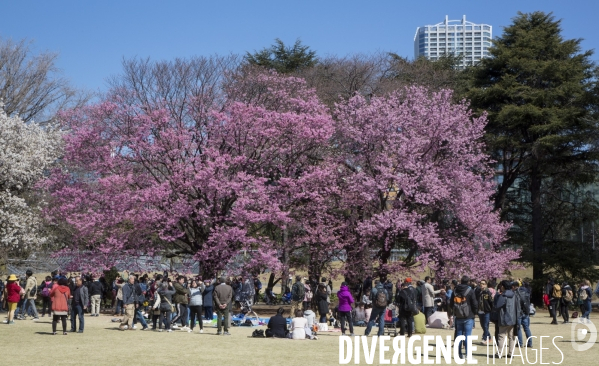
column 167, row 302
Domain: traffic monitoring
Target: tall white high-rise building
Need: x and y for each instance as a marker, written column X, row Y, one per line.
column 458, row 37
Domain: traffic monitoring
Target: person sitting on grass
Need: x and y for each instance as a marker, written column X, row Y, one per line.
column 298, row 325
column 277, row 325
column 359, row 315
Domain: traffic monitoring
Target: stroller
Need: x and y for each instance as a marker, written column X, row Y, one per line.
column 247, row 316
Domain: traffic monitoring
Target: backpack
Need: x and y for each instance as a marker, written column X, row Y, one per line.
column 568, row 295
column 525, row 298
column 46, row 290
column 582, row 294
column 461, row 308
column 557, row 291
column 381, row 299
column 410, row 304
column 298, row 291
column 508, row 311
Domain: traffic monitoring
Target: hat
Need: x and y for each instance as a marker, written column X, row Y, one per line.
column 12, row 277
column 408, row 279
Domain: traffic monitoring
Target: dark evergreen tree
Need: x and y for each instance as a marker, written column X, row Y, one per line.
column 284, row 59
column 540, row 94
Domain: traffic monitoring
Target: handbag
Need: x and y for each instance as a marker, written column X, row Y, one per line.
column 172, row 307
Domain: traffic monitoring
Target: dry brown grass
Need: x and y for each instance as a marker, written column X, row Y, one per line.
column 31, row 343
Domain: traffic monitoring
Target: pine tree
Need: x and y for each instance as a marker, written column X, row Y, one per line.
column 282, row 58
column 538, row 90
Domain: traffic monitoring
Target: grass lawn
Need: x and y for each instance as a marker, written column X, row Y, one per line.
column 31, row 343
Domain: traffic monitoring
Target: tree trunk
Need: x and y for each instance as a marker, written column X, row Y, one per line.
column 537, row 233
column 285, row 262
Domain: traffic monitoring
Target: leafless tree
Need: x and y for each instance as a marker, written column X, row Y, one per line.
column 187, row 88
column 339, row 78
column 31, row 85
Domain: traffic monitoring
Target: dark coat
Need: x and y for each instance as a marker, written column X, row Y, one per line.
column 208, row 295
column 278, row 325
column 323, row 304
column 460, row 290
column 181, row 294
column 402, row 299
column 166, row 299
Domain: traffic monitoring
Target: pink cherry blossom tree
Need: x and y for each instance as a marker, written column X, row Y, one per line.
column 136, row 180
column 416, row 178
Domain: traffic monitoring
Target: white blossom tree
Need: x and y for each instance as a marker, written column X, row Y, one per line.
column 26, row 151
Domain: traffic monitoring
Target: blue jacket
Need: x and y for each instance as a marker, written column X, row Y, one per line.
column 208, row 295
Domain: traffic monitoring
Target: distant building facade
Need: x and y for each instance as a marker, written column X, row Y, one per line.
column 458, row 37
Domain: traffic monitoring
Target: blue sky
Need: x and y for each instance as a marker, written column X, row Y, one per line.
column 92, row 37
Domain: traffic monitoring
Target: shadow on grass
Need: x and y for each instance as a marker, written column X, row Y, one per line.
column 47, row 333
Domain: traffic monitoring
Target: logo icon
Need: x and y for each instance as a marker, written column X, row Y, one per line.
column 579, row 331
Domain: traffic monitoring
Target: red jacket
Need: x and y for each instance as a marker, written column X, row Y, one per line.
column 12, row 292
column 60, row 296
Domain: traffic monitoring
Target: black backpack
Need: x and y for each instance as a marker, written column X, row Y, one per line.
column 461, row 308
column 524, row 300
column 410, row 304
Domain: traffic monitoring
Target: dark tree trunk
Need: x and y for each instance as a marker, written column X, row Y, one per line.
column 537, row 233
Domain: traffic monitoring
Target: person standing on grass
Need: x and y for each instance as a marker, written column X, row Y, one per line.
column 428, row 295
column 321, row 303
column 247, row 290
column 566, row 300
column 195, row 304
column 60, row 295
column 345, row 308
column 523, row 293
column 298, row 292
column 46, row 287
column 307, row 294
column 485, row 307
column 257, row 288
column 31, row 294
column 165, row 294
column 585, row 295
column 208, row 295
column 12, row 295
column 508, row 308
column 140, row 297
column 554, row 292
column 464, row 304
column 380, row 299
column 95, row 293
column 129, row 300
column 223, row 295
column 181, row 302
column 155, row 300
column 118, row 291
column 78, row 305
